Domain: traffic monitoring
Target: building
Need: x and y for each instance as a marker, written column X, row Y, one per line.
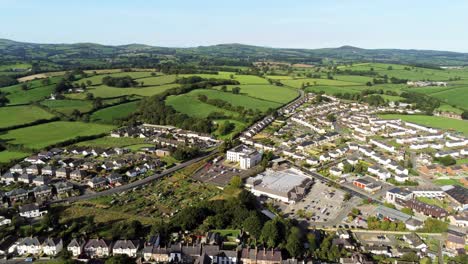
column 384, row 212
column 246, row 156
column 288, row 185
column 413, row 224
column 97, row 248
column 260, row 256
column 366, row 185
column 76, row 247
column 29, row 246
column 126, row 247
column 52, row 246
column 398, row 193
column 459, row 195
column 426, row 209
column 455, row 241
column 31, row 211
column 415, row 241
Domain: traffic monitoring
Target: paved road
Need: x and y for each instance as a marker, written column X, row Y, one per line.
column 134, row 184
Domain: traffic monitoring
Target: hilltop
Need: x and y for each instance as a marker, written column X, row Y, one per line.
column 86, row 54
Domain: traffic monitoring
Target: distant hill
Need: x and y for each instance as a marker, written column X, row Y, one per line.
column 91, row 55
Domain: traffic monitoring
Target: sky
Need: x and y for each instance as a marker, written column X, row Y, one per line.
column 408, row 24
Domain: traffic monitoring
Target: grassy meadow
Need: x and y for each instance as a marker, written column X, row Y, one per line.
column 20, row 115
column 433, row 121
column 44, row 135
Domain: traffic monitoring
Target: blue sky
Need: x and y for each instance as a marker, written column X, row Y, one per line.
column 417, row 24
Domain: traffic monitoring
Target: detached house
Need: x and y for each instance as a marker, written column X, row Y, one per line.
column 97, row 182
column 31, row 211
column 76, row 247
column 126, row 247
column 62, row 172
column 33, row 169
column 29, row 246
column 52, row 246
column 42, row 191
column 97, row 248
column 77, row 175
column 63, row 187
column 48, row 170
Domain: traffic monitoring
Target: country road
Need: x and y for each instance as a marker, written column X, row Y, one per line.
column 134, row 184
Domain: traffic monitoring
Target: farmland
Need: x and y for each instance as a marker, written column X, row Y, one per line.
column 67, row 106
column 44, row 135
column 271, row 93
column 104, row 91
column 109, row 114
column 20, row 115
column 433, row 121
column 108, row 142
column 6, row 156
column 187, row 105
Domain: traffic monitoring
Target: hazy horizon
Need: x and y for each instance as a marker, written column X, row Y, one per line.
column 419, row 25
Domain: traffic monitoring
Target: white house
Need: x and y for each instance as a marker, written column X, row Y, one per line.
column 76, row 247
column 52, row 246
column 31, row 211
column 97, row 248
column 126, row 247
column 29, row 246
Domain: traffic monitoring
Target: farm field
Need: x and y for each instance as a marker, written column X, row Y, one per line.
column 19, row 115
column 331, row 89
column 414, row 73
column 297, row 83
column 242, row 79
column 9, row 68
column 67, row 106
column 104, row 91
column 44, row 135
column 109, row 114
column 196, row 108
column 353, row 78
column 433, row 121
column 455, row 96
column 6, row 155
column 97, row 79
column 268, row 92
column 234, row 99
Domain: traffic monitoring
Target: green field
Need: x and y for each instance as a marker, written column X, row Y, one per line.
column 97, row 79
column 234, row 99
column 186, row 104
column 44, row 135
column 271, row 93
column 455, row 96
column 109, row 114
column 104, row 91
column 449, row 108
column 19, row 115
column 297, row 83
column 433, row 121
column 414, row 73
column 6, row 156
column 67, row 106
column 242, row 79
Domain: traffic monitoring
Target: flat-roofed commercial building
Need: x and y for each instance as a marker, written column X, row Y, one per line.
column 288, row 185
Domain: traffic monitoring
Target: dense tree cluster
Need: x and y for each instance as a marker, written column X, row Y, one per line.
column 120, row 82
column 422, row 102
column 373, row 223
column 3, row 99
column 446, row 160
column 154, row 110
column 7, row 81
